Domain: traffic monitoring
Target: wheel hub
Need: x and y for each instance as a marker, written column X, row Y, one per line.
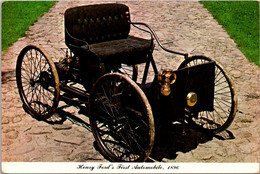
column 32, row 83
column 45, row 79
column 191, row 99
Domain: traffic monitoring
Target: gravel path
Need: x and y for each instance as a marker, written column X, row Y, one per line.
column 180, row 26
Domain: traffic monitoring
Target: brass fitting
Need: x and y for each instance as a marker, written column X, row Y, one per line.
column 166, row 77
column 127, row 14
column 192, row 99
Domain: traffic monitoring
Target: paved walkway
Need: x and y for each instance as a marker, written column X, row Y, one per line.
column 181, row 26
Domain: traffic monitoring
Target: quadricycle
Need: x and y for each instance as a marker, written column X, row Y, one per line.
column 100, row 71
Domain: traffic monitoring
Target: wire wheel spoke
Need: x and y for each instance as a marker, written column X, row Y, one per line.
column 224, row 100
column 121, row 119
column 37, row 81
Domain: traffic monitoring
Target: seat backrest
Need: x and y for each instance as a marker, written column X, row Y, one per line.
column 97, row 23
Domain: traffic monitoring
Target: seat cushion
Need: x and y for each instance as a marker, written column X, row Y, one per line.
column 97, row 23
column 132, row 50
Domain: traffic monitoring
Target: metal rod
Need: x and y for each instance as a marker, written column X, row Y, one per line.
column 157, row 39
column 74, row 91
column 146, row 69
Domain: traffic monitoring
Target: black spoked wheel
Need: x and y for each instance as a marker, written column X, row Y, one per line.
column 121, row 119
column 225, row 102
column 38, row 82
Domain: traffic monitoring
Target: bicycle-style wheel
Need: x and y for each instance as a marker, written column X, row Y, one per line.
column 38, row 82
column 225, row 101
column 121, row 119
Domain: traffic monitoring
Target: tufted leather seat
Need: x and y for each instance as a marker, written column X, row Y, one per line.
column 131, row 50
column 104, row 30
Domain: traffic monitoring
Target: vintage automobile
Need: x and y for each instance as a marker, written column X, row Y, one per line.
column 99, row 72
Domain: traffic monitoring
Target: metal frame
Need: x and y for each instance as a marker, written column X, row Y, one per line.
column 69, row 70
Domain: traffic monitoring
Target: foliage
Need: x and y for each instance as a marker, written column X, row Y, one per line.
column 241, row 21
column 17, row 16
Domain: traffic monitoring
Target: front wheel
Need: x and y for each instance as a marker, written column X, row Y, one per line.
column 38, row 82
column 121, row 119
column 225, row 101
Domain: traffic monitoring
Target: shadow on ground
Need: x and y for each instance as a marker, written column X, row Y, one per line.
column 7, row 76
column 169, row 138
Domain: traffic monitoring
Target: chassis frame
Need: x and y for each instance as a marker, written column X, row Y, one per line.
column 124, row 114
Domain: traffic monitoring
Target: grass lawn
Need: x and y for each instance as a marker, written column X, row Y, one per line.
column 241, row 21
column 17, row 16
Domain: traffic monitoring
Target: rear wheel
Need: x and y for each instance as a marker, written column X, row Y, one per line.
column 225, row 102
column 121, row 119
column 38, row 82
